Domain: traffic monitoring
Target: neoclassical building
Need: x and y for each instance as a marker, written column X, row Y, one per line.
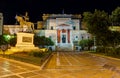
column 1, row 23
column 64, row 29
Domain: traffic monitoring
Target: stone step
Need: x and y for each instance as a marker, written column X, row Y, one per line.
column 64, row 49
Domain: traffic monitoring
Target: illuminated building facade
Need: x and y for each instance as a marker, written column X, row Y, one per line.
column 65, row 30
column 1, row 23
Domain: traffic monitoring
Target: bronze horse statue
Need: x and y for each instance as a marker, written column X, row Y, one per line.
column 23, row 22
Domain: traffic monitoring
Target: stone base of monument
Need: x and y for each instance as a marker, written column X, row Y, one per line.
column 25, row 41
column 65, row 47
column 13, row 50
column 24, row 44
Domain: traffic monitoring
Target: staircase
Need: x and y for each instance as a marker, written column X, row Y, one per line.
column 65, row 47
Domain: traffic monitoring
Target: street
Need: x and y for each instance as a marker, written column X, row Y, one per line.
column 64, row 65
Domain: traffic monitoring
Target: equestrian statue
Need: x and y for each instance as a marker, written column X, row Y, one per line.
column 24, row 21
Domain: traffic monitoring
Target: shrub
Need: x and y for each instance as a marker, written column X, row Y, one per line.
column 38, row 54
column 100, row 49
column 117, row 50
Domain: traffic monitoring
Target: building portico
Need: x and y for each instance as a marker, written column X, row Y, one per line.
column 64, row 36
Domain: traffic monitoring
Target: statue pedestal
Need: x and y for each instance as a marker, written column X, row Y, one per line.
column 25, row 41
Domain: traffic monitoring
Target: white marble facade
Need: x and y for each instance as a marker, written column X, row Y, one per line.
column 64, row 30
column 75, row 35
column 1, row 23
column 12, row 29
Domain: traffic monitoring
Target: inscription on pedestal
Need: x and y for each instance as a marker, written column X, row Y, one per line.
column 27, row 39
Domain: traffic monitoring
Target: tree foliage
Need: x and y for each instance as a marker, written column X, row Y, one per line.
column 43, row 41
column 13, row 41
column 114, row 38
column 86, row 43
column 2, row 40
column 115, row 16
column 97, row 24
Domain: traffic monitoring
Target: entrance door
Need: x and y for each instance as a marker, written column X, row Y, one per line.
column 63, row 38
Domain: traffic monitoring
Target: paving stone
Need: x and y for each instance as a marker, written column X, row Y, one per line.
column 70, row 65
column 12, row 76
column 18, row 70
column 39, row 76
column 2, row 73
column 28, row 74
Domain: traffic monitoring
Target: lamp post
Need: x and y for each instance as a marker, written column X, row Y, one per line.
column 94, row 44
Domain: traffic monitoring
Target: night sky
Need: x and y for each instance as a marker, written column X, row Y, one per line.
column 36, row 8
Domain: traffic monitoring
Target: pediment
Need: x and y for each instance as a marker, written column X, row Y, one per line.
column 63, row 25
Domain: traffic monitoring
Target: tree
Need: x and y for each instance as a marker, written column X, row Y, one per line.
column 2, row 40
column 115, row 16
column 13, row 41
column 97, row 24
column 114, row 39
column 86, row 43
column 3, row 43
column 43, row 41
column 49, row 42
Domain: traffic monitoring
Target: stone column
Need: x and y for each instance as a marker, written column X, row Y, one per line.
column 68, row 35
column 61, row 36
column 71, row 41
column 58, row 36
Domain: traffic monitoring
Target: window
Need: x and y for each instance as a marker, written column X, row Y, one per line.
column 74, row 27
column 88, row 37
column 50, row 37
column 63, row 38
column 51, row 27
column 50, row 48
column 76, row 48
column 82, row 37
column 76, row 37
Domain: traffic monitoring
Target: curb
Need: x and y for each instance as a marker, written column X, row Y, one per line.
column 46, row 61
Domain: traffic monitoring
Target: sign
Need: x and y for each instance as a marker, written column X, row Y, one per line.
column 27, row 39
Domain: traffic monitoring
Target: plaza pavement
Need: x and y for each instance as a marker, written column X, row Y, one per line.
column 64, row 65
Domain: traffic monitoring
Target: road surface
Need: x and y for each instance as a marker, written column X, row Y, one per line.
column 64, row 65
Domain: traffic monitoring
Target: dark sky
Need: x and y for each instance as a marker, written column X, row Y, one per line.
column 36, row 8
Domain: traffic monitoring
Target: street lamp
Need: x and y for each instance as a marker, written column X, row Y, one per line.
column 94, row 44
